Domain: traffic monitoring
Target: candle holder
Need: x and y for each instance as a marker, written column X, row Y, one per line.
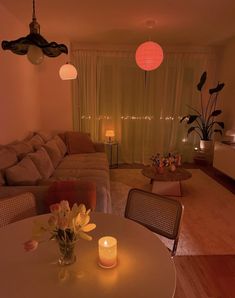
column 107, row 252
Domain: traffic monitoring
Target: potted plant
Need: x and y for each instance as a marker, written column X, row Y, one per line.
column 202, row 121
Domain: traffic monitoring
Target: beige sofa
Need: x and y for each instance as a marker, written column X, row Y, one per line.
column 34, row 163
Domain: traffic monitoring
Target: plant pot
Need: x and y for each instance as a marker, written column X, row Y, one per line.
column 207, row 151
column 206, row 146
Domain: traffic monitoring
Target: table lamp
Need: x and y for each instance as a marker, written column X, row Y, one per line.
column 110, row 135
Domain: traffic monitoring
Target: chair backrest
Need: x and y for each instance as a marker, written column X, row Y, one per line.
column 16, row 208
column 160, row 214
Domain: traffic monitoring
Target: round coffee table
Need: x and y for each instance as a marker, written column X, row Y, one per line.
column 167, row 183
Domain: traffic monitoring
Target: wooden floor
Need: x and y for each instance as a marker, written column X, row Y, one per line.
column 224, row 180
column 205, row 276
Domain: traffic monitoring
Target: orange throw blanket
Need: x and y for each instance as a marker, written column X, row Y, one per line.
column 74, row 191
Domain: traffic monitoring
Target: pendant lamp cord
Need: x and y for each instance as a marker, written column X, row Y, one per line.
column 34, row 15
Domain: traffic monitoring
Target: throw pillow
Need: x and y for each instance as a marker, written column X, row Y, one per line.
column 74, row 191
column 24, row 173
column 79, row 142
column 62, row 136
column 36, row 141
column 46, row 136
column 53, row 152
column 61, row 145
column 21, row 149
column 43, row 162
column 7, row 158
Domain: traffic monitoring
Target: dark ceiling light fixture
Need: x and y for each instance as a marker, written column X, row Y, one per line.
column 34, row 45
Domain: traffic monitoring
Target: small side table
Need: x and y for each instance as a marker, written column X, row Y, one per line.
column 112, row 152
column 168, row 183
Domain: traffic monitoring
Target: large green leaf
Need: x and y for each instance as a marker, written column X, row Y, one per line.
column 216, row 113
column 218, row 88
column 192, row 118
column 191, row 129
column 202, row 81
column 182, row 119
column 218, row 130
column 221, row 124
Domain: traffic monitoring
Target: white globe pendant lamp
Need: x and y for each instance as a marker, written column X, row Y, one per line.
column 68, row 72
column 35, row 55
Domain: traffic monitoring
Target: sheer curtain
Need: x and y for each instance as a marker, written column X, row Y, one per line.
column 143, row 108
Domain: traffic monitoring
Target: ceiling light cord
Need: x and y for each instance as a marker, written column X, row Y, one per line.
column 34, row 15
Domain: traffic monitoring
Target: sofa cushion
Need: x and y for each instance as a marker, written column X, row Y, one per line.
column 24, row 173
column 80, row 192
column 46, row 136
column 62, row 136
column 101, row 177
column 81, row 161
column 43, row 162
column 36, row 141
column 79, row 142
column 53, row 152
column 61, row 145
column 21, row 149
column 7, row 158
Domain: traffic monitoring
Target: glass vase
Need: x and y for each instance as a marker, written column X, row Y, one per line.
column 67, row 252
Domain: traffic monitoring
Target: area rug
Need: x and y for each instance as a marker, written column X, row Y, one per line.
column 209, row 211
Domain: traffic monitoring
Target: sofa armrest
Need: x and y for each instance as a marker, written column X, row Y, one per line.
column 99, row 147
column 38, row 191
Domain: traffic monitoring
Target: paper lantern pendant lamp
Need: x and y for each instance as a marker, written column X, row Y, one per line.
column 149, row 55
column 68, row 72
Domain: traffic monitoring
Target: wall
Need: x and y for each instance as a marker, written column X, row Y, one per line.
column 32, row 97
column 227, row 75
column 19, row 108
column 54, row 96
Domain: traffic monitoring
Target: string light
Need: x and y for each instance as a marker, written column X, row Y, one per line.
column 131, row 117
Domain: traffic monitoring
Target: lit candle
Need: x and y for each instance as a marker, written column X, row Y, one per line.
column 107, row 252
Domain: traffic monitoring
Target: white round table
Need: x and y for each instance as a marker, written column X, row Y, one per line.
column 145, row 268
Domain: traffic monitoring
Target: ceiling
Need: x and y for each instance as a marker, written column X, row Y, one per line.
column 179, row 22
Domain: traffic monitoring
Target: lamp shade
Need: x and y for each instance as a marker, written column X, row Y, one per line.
column 68, row 72
column 149, row 55
column 34, row 44
column 109, row 133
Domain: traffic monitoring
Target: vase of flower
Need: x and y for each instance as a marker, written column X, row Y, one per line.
column 66, row 225
column 67, row 240
column 67, row 252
